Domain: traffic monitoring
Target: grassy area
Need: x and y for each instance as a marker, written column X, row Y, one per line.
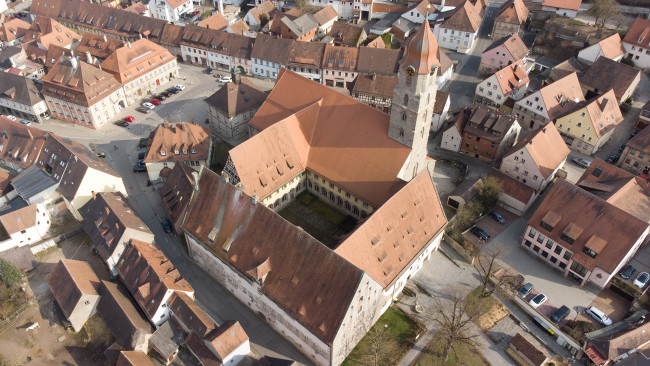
column 465, row 355
column 11, row 300
column 219, row 156
column 494, row 310
column 401, row 330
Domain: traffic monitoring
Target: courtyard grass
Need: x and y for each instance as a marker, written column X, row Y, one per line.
column 465, row 355
column 402, row 331
column 219, row 153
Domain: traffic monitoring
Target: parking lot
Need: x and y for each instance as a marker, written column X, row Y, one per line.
column 489, row 225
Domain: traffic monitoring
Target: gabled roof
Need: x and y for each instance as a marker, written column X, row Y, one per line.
column 178, row 141
column 239, row 27
column 311, row 130
column 618, row 187
column 226, row 339
column 526, row 348
column 53, row 54
column 21, row 145
column 133, row 358
column 489, row 124
column 377, row 85
column 266, row 7
column 465, row 18
column 20, row 219
column 307, row 54
column 340, row 58
column 48, row 31
column 301, row 25
column 13, row 29
column 600, row 77
column 216, row 21
column 201, row 351
column 512, row 187
column 606, row 229
column 188, row 313
column 138, row 8
column 567, row 67
column 641, row 141
column 563, row 4
column 149, row 275
column 176, row 3
column 106, row 217
column 512, row 77
column 513, row 44
column 271, row 49
column 306, row 279
column 639, row 33
column 420, row 7
column 612, row 46
column 616, row 344
column 233, row 99
column 385, row 245
column 99, row 46
column 82, row 84
column 120, row 314
column 513, row 12
column 381, row 61
column 562, row 92
column 69, row 281
column 603, row 111
column 545, row 146
column 346, row 34
column 325, row 15
column 136, row 59
column 177, row 191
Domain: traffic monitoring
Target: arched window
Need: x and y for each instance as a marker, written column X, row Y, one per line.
column 324, row 192
column 332, row 197
column 363, row 214
column 403, row 116
column 348, row 206
column 406, row 100
column 339, row 201
column 277, row 203
column 355, row 210
column 316, row 187
column 401, row 132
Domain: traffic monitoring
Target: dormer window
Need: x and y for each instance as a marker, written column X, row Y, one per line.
column 590, row 252
column 163, row 153
column 176, row 152
column 546, row 226
column 569, row 240
column 184, row 152
column 193, row 151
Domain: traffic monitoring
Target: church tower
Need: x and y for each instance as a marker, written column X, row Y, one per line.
column 414, row 98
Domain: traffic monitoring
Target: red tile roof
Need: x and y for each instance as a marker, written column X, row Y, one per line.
column 512, row 187
column 178, row 141
column 21, row 145
column 20, row 219
column 133, row 358
column 13, row 29
column 563, row 4
column 70, row 280
column 325, row 15
column 190, row 315
column 465, row 19
column 513, row 12
column 136, row 59
column 227, row 338
column 639, row 33
column 217, row 21
column 512, row 77
column 176, row 193
column 546, row 146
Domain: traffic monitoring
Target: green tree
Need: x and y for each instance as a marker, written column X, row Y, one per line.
column 300, row 4
column 9, row 273
column 264, row 18
column 379, row 348
column 489, row 193
column 605, row 11
column 466, row 216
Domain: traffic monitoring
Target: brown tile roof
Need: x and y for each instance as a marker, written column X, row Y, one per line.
column 176, row 3
column 639, row 33
column 266, row 7
column 190, row 315
column 77, row 160
column 441, row 100
column 48, row 31
column 465, row 18
column 380, row 61
column 99, row 46
column 340, row 58
column 563, row 4
column 393, row 237
column 239, row 27
column 567, row 67
column 227, row 338
column 21, row 257
column 232, row 99
column 239, row 46
column 21, row 145
column 200, row 350
column 192, row 142
column 54, row 54
column 346, row 34
column 325, row 15
column 318, row 284
column 271, row 49
column 5, row 181
column 378, row 42
column 69, row 280
column 513, row 44
column 176, row 193
column 421, row 50
column 618, row 187
column 388, row 8
column 133, row 358
column 526, row 348
column 83, row 85
column 377, row 85
column 171, row 35
column 618, row 343
column 610, row 231
column 488, row 123
column 138, row 8
column 20, row 219
column 600, row 77
column 124, row 320
column 135, row 59
column 149, row 275
column 512, row 187
column 420, row 6
column 640, row 141
column 513, row 12
column 307, row 54
column 566, row 90
column 311, row 131
column 106, row 218
column 612, row 46
column 603, row 111
column 545, row 146
column 445, row 62
column 512, row 77
column 13, row 29
column 217, row 21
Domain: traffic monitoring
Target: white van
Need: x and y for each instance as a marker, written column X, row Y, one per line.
column 599, row 316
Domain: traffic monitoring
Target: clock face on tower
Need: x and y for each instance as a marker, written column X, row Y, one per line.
column 410, row 70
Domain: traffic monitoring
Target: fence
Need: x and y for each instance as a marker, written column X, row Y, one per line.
column 459, row 249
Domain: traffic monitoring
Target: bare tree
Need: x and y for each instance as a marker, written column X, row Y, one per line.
column 485, row 265
column 453, row 317
column 605, row 11
column 378, row 349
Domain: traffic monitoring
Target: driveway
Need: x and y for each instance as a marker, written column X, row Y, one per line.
column 492, row 227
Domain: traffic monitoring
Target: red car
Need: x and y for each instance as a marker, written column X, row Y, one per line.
column 129, row 119
column 155, row 101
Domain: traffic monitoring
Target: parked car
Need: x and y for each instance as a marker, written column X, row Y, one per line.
column 627, row 271
column 497, row 217
column 139, row 168
column 525, row 289
column 621, row 148
column 155, row 101
column 9, row 116
column 142, row 155
column 599, row 316
column 122, row 123
column 225, row 79
column 173, row 90
column 538, row 300
column 25, row 122
column 560, row 314
column 209, row 71
column 143, row 142
column 612, row 159
column 584, row 163
column 143, row 110
column 167, row 93
column 167, row 227
column 129, row 119
column 161, row 97
column 642, row 280
column 148, row 105
column 482, row 234
column 180, row 87
column 101, row 155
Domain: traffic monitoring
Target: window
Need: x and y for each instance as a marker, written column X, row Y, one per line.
column 536, row 248
column 546, row 226
column 590, row 252
column 553, row 260
column 579, row 269
column 549, row 244
column 540, row 238
column 532, row 233
column 544, row 254
column 558, row 249
column 567, row 239
column 567, row 255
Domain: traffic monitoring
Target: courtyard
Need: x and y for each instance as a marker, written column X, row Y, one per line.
column 317, row 218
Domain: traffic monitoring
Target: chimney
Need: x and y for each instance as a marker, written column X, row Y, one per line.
column 221, row 7
column 128, row 44
column 240, row 186
column 254, row 199
column 94, row 195
column 374, row 76
column 74, row 62
column 105, row 40
column 225, row 177
column 89, row 58
column 236, row 77
column 195, row 177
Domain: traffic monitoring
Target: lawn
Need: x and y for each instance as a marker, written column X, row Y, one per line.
column 465, row 355
column 219, row 156
column 402, row 331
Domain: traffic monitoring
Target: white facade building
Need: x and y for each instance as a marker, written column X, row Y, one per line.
column 170, row 10
column 26, row 226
